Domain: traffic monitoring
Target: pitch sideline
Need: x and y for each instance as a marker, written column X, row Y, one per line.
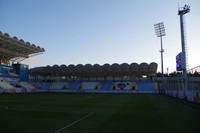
column 88, row 115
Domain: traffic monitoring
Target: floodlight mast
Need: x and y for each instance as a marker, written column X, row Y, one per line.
column 181, row 12
column 160, row 32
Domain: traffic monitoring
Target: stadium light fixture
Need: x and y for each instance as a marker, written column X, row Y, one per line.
column 184, row 10
column 160, row 32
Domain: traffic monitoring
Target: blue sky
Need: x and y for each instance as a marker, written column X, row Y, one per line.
column 102, row 31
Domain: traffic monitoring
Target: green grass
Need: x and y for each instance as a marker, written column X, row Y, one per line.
column 112, row 113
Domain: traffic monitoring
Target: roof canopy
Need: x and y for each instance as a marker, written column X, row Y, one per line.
column 14, row 49
column 96, row 70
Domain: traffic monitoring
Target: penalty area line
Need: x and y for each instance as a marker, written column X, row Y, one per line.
column 88, row 115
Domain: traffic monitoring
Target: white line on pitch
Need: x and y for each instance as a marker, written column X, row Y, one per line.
column 3, row 107
column 74, row 122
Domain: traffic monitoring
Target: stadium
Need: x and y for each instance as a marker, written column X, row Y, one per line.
column 93, row 98
column 83, row 97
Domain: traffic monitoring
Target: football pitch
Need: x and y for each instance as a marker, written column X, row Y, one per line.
column 96, row 113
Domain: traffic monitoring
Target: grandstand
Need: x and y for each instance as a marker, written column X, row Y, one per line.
column 99, row 78
column 116, row 77
column 13, row 75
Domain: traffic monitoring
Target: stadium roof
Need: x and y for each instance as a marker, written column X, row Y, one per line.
column 96, row 70
column 14, row 49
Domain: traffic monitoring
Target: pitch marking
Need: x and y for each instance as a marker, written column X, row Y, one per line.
column 74, row 122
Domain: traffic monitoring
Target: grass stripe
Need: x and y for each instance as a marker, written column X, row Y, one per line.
column 3, row 107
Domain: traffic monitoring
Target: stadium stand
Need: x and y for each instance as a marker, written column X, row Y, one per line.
column 41, row 85
column 89, row 85
column 114, row 77
column 13, row 75
column 73, row 85
column 5, row 85
column 7, row 71
column 107, row 78
column 57, row 85
column 105, row 86
column 27, row 85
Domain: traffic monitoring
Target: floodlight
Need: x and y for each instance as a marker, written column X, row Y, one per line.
column 184, row 10
column 160, row 31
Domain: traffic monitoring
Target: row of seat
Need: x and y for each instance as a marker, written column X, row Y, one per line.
column 108, row 85
column 15, row 85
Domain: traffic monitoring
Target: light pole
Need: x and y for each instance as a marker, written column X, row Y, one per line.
column 160, row 32
column 181, row 12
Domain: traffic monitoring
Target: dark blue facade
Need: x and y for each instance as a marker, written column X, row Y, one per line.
column 22, row 71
